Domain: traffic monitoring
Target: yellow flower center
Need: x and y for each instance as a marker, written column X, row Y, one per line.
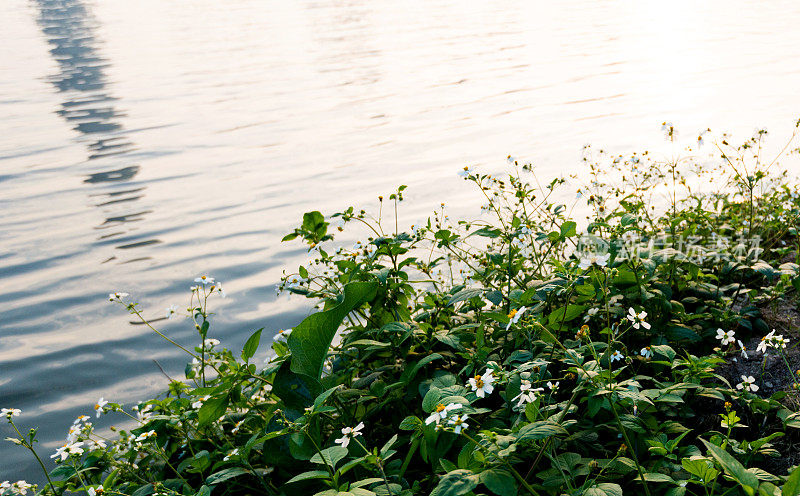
column 478, row 382
column 512, row 314
column 439, row 408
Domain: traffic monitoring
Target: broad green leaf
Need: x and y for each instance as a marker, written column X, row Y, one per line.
column 732, row 467
column 603, row 489
column 499, row 482
column 568, row 229
column 540, row 430
column 456, row 483
column 212, row 409
column 463, row 295
column 223, row 475
column 330, row 456
column 312, row 474
column 251, row 346
column 311, row 339
column 792, row 486
column 658, row 477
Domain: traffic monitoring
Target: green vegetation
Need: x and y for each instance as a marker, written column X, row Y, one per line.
column 504, row 355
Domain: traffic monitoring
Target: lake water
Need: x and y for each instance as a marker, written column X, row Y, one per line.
column 143, row 143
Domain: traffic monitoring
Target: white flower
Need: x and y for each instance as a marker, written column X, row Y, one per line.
column 348, row 433
column 725, row 336
column 294, row 281
column 68, row 449
column 237, row 426
column 482, row 385
column 171, row 310
column 10, row 412
column 22, row 487
column 552, row 385
column 637, row 319
column 616, row 356
column 514, row 317
column 646, row 352
column 594, row 259
column 210, row 343
column 527, row 393
column 92, row 491
column 282, row 335
column 748, row 384
column 465, row 173
column 459, row 423
column 81, row 418
column 100, row 406
column 117, row 296
column 204, row 280
column 200, row 401
column 742, row 348
column 441, row 412
column 233, row 453
column 221, row 291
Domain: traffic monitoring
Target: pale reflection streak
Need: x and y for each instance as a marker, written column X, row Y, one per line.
column 88, row 107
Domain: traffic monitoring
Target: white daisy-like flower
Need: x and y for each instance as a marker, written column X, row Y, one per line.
column 171, row 310
column 637, row 319
column 441, row 412
column 349, row 433
column 95, row 491
column 282, row 335
column 68, row 450
column 616, row 356
column 552, row 385
column 210, row 343
column 646, row 352
column 725, row 337
column 199, row 403
column 22, row 487
column 230, row 455
column 80, row 419
column 459, row 423
column 204, row 280
column 747, row 384
column 10, row 412
column 527, row 393
column 117, row 296
column 465, row 172
column 221, row 291
column 294, row 281
column 594, row 259
column 742, row 348
column 100, row 406
column 482, row 385
column 514, row 316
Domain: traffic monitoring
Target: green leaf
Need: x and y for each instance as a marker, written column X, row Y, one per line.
column 568, row 229
column 311, row 339
column 732, row 467
column 456, row 483
column 658, row 477
column 212, row 409
column 312, row 474
column 792, row 486
column 603, row 489
column 223, row 475
column 463, row 295
column 540, row 430
column 251, row 346
column 499, row 482
column 565, row 314
column 332, row 456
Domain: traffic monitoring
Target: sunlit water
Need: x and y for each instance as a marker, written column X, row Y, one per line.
column 146, row 142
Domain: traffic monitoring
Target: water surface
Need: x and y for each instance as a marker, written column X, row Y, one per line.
column 146, row 142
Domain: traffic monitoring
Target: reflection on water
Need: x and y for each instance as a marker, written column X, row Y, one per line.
column 89, row 108
column 146, row 142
